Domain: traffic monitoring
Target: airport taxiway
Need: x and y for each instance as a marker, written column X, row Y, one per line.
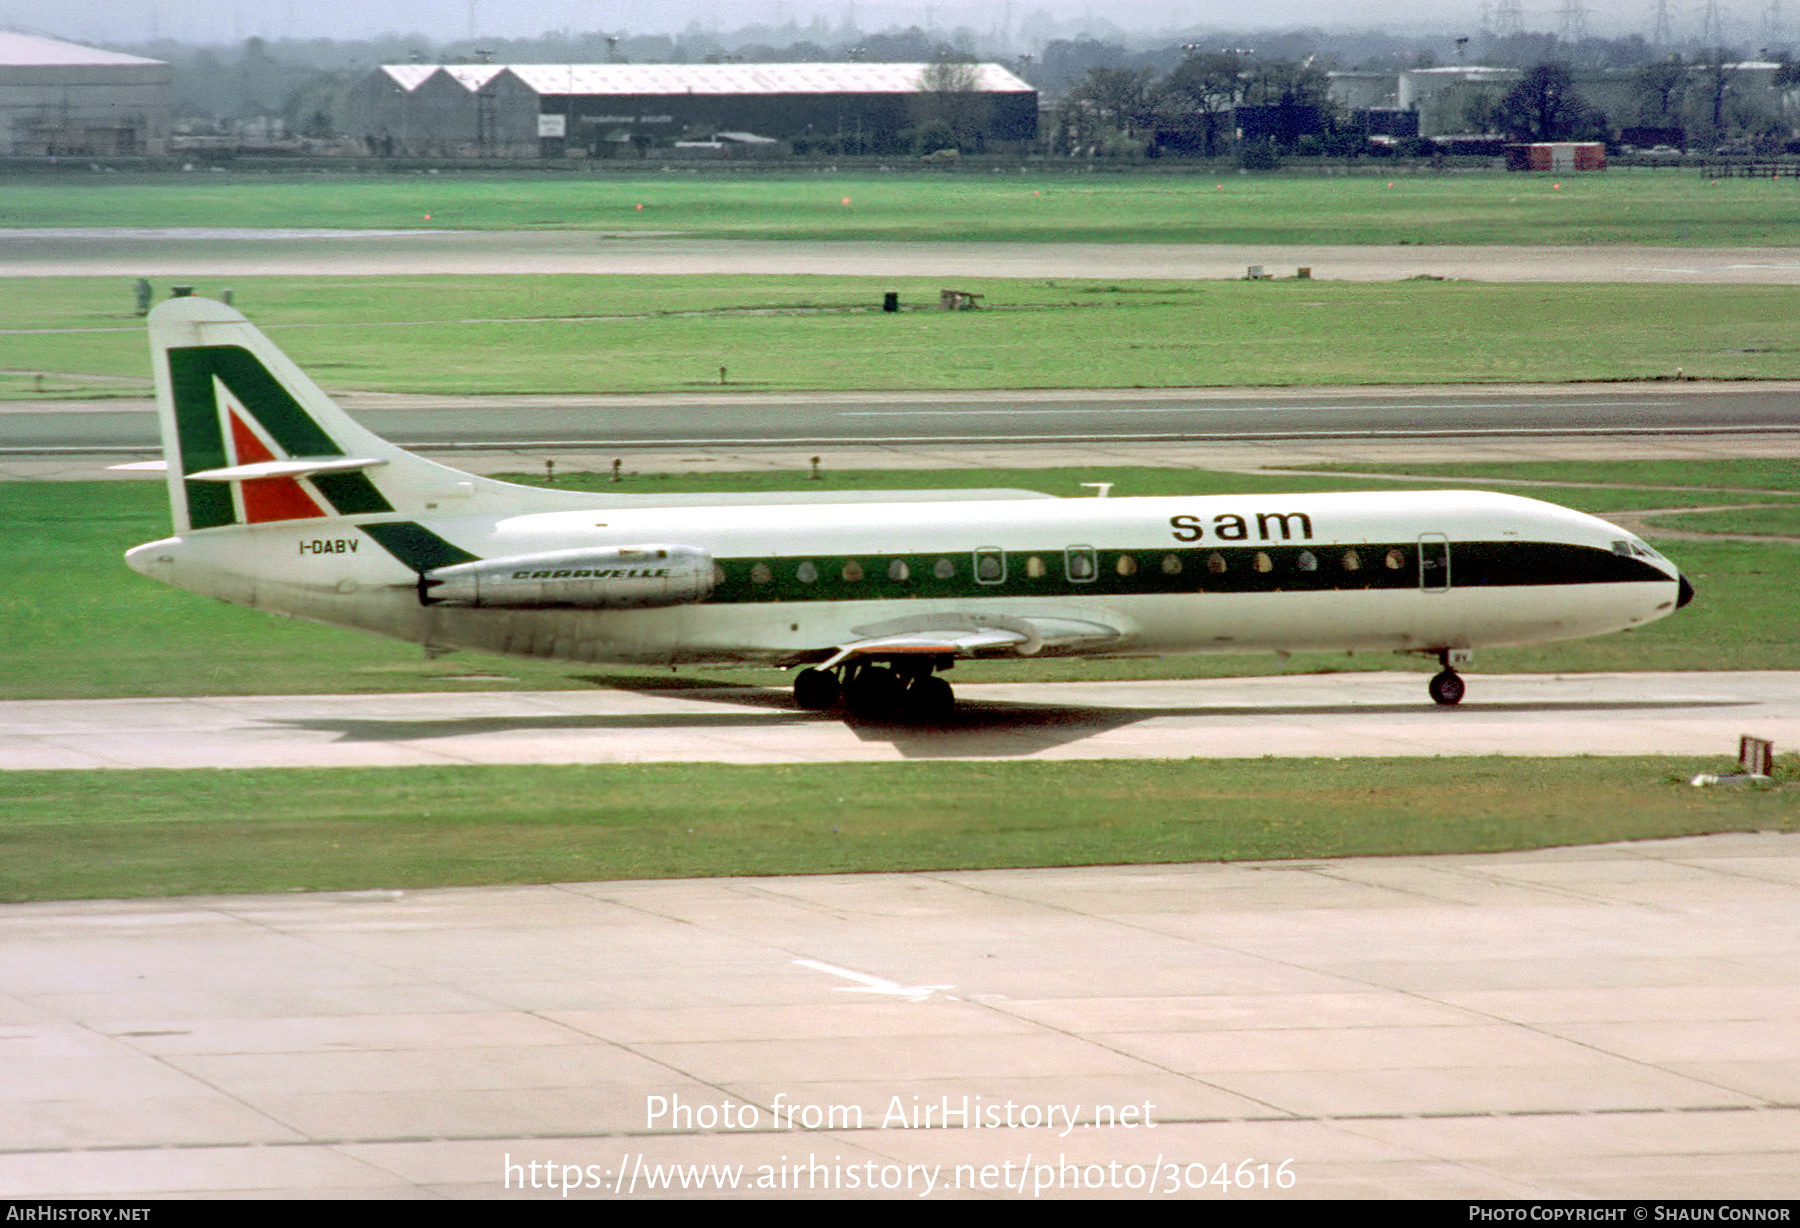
column 1348, row 714
column 201, row 252
column 1603, row 1022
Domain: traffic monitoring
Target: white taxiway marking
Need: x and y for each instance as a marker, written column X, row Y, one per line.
column 873, row 984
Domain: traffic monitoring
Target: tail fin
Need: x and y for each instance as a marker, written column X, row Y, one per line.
column 249, row 439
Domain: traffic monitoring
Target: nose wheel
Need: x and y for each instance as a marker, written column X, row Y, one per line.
column 1447, row 688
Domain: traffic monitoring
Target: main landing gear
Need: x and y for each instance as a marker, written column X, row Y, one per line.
column 901, row 691
column 1447, row 687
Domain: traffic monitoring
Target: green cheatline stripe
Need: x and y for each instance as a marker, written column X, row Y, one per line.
column 416, row 546
column 1186, row 570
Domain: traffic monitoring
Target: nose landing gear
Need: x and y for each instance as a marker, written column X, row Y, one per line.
column 1447, row 688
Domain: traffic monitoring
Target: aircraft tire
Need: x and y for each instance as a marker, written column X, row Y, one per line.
column 930, row 699
column 1447, row 688
column 873, row 694
column 815, row 690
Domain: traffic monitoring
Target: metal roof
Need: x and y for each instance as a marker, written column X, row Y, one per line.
column 30, row 51
column 474, row 76
column 736, row 79
column 409, row 77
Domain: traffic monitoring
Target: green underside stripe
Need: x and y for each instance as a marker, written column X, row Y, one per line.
column 416, row 546
column 1472, row 565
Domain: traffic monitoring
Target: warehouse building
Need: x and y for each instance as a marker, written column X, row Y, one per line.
column 601, row 110
column 60, row 99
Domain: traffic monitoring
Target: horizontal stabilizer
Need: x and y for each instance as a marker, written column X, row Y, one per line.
column 293, row 467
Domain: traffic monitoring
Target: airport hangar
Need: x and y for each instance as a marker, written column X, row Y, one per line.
column 61, row 99
column 586, row 110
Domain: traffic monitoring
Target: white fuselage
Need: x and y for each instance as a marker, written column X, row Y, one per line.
column 1402, row 571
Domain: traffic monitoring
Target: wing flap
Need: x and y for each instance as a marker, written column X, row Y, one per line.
column 970, row 635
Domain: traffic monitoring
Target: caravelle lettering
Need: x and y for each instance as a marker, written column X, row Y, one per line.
column 1230, row 527
column 595, row 573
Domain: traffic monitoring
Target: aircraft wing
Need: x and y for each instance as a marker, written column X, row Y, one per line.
column 971, row 635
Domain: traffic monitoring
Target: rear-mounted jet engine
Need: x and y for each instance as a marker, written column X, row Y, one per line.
column 628, row 578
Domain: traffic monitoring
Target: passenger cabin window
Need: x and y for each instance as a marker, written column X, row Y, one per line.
column 1263, row 562
column 1395, row 560
column 990, row 566
column 1215, row 563
column 1306, row 562
column 944, row 569
column 899, row 571
column 807, row 572
column 1034, row 567
column 1352, row 561
column 1081, row 564
column 760, row 574
column 1171, row 564
column 852, row 571
column 1126, row 566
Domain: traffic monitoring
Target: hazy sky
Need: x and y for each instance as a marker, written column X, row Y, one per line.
column 217, row 21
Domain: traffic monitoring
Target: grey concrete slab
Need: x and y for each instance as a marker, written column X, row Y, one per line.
column 1568, row 1034
column 1327, row 715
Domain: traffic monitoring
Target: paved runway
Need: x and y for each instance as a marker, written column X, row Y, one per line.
column 1610, row 1022
column 200, row 253
column 1342, row 714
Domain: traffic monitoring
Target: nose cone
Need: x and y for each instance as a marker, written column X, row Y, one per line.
column 1685, row 593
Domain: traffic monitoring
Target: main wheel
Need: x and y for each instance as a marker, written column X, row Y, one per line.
column 929, row 699
column 873, row 693
column 815, row 689
column 1447, row 688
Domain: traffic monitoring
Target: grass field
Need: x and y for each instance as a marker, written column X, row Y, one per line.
column 1780, row 521
column 579, row 334
column 74, row 621
column 146, row 833
column 1656, row 206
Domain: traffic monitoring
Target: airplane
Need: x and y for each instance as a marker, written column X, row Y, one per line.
column 282, row 502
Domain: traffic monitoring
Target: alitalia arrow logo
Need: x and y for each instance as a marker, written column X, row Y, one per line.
column 229, row 410
column 265, row 499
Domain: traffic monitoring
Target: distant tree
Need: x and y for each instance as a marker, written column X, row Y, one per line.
column 1658, row 90
column 1712, row 87
column 1787, row 79
column 1119, row 97
column 1543, row 106
column 950, row 101
column 1285, row 83
column 1199, row 95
